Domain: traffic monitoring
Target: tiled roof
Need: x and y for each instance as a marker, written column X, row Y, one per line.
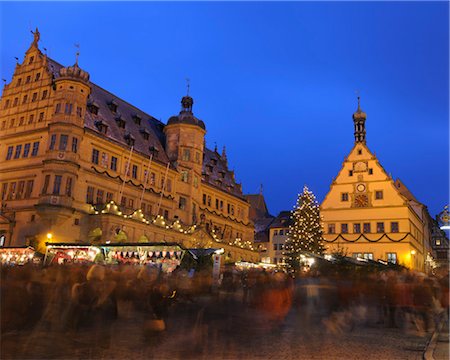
column 215, row 169
column 282, row 220
column 258, row 207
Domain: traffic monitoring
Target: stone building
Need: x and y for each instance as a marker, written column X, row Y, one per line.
column 82, row 165
column 366, row 214
column 278, row 231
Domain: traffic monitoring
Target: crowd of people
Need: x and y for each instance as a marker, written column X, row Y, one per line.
column 71, row 299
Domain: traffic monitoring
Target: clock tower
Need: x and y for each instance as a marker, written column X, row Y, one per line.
column 365, row 214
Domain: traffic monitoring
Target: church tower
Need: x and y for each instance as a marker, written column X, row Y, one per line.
column 185, row 139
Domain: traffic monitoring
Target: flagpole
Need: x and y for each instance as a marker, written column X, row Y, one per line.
column 162, row 190
column 145, row 180
column 125, row 178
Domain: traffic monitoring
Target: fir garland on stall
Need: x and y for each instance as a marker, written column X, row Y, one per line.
column 305, row 231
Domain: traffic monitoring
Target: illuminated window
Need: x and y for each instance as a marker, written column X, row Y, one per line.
column 184, row 176
column 331, row 228
column 391, row 258
column 186, row 154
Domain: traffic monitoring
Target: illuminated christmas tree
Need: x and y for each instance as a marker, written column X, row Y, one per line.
column 305, row 232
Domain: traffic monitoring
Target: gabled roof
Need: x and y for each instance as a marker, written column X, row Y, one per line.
column 216, row 173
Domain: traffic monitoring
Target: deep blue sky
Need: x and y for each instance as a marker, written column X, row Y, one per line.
column 274, row 82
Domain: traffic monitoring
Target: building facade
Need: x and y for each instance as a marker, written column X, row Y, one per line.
column 278, row 231
column 366, row 214
column 82, row 165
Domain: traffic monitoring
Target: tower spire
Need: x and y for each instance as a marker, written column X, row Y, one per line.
column 359, row 121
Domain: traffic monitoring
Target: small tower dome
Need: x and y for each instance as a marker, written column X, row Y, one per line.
column 75, row 73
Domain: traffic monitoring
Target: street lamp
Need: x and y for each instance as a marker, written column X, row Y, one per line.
column 49, row 236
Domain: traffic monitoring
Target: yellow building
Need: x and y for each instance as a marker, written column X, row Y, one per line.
column 368, row 215
column 84, row 165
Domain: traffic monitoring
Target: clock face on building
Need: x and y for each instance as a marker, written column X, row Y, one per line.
column 361, row 200
column 360, row 187
column 359, row 166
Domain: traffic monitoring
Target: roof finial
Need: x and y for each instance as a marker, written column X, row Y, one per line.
column 37, row 37
column 260, row 189
column 77, row 53
column 357, row 92
column 215, row 147
column 188, row 86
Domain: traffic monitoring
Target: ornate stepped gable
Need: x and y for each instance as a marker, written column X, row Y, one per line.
column 147, row 133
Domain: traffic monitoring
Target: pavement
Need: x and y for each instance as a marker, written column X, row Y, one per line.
column 214, row 329
column 438, row 347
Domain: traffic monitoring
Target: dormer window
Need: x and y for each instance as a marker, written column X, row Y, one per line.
column 153, row 150
column 137, row 119
column 222, row 174
column 214, row 161
column 93, row 108
column 219, row 182
column 120, row 122
column 209, row 168
column 145, row 134
column 129, row 139
column 101, row 126
column 112, row 106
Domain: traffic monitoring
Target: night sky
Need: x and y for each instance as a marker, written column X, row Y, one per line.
column 274, row 82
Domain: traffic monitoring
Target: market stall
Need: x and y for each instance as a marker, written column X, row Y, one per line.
column 17, row 255
column 166, row 256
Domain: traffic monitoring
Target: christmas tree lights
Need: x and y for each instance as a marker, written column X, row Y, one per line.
column 305, row 232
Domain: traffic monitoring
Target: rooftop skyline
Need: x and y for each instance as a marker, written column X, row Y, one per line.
column 273, row 82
